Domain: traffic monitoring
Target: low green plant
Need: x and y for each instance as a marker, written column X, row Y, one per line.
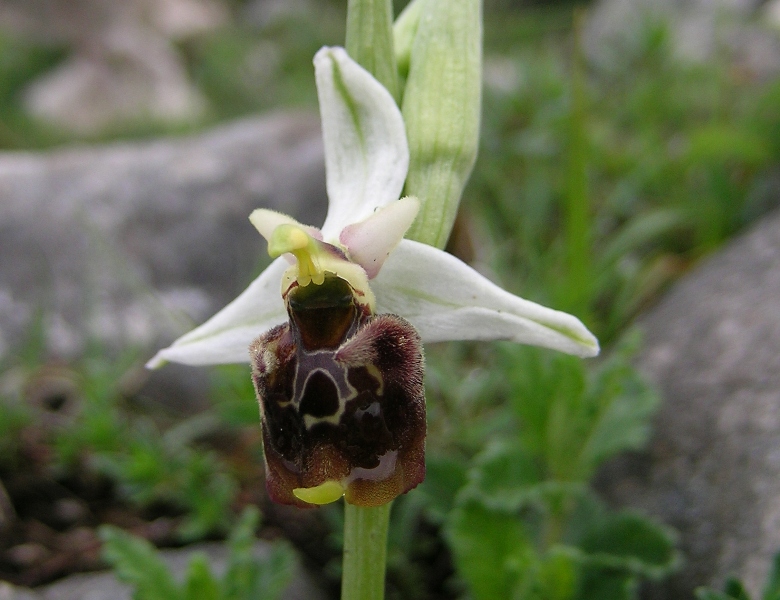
column 602, row 183
column 246, row 575
column 519, row 515
column 154, row 467
column 734, row 588
column 92, row 427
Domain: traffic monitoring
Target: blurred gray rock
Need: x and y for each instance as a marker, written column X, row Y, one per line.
column 713, row 467
column 11, row 592
column 122, row 65
column 742, row 32
column 131, row 244
column 263, row 13
column 129, row 75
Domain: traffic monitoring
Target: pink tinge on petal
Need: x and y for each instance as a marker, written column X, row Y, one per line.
column 371, row 241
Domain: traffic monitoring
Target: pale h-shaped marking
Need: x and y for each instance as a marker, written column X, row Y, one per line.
column 323, row 362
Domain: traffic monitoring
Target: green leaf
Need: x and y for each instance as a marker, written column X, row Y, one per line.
column 734, row 589
column 772, row 589
column 545, row 390
column 492, row 550
column 444, row 478
column 629, row 542
column 644, row 228
column 249, row 576
column 709, row 594
column 504, row 476
column 272, row 574
column 240, row 574
column 557, row 575
column 602, row 584
column 719, row 144
column 138, row 563
column 625, row 405
column 572, row 421
column 200, row 583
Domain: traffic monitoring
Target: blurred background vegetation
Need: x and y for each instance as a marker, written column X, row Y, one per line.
column 595, row 188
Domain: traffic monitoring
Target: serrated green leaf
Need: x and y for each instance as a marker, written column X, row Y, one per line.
column 250, row 576
column 138, row 563
column 273, row 574
column 546, row 392
column 505, row 476
column 492, row 550
column 622, row 424
column 632, row 543
column 200, row 584
column 240, row 575
column 623, row 407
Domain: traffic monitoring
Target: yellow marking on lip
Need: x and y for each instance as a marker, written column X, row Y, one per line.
column 325, row 493
column 374, row 371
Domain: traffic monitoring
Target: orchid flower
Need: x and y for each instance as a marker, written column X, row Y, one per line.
column 338, row 362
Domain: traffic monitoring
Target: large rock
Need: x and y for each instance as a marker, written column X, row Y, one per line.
column 122, row 66
column 740, row 31
column 133, row 243
column 713, row 467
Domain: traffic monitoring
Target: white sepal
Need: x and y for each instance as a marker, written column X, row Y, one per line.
column 445, row 299
column 226, row 336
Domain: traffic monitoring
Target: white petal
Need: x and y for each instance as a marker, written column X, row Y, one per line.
column 372, row 240
column 445, row 299
column 366, row 153
column 226, row 336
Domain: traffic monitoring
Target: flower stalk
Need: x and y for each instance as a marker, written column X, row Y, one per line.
column 369, row 41
column 365, row 552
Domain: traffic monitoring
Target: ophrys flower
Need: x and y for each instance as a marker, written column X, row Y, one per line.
column 338, row 364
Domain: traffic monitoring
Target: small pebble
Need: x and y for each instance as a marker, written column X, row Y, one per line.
column 28, row 554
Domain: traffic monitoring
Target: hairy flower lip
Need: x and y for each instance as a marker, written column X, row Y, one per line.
column 367, row 157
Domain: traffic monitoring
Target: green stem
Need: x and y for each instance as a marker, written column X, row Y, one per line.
column 369, row 42
column 365, row 552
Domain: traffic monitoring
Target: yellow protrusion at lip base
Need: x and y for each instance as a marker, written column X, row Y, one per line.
column 325, row 493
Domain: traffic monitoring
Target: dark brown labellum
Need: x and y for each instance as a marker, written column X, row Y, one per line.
column 341, row 398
